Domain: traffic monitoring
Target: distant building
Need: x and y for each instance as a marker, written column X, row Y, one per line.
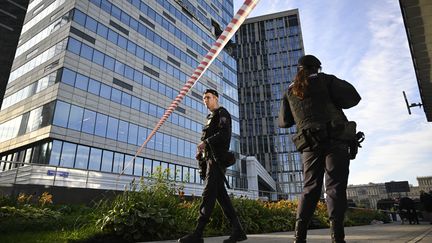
column 368, row 195
column 268, row 49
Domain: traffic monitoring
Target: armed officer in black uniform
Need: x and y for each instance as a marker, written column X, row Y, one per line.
column 211, row 151
column 314, row 102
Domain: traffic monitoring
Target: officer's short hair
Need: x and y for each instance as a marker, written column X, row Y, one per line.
column 211, row 91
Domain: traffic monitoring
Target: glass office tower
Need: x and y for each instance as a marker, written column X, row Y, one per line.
column 268, row 48
column 91, row 78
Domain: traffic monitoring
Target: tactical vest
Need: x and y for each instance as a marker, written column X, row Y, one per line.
column 316, row 109
column 212, row 127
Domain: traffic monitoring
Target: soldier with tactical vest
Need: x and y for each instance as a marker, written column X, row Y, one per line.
column 211, row 153
column 325, row 139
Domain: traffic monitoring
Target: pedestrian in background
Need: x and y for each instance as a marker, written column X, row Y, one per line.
column 314, row 103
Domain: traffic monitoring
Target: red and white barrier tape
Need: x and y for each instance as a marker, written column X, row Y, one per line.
column 217, row 47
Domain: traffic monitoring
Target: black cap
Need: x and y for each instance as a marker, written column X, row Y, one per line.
column 211, row 91
column 309, row 60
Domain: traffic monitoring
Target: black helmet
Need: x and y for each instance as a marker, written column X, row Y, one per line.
column 309, row 60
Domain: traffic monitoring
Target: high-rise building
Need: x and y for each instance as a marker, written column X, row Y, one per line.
column 12, row 15
column 417, row 17
column 90, row 80
column 268, row 48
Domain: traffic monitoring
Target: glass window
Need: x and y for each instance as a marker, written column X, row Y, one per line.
column 112, row 36
column 164, row 169
column 126, row 99
column 142, row 135
column 138, row 76
column 181, row 147
column 171, row 171
column 131, row 47
column 146, row 81
column 109, row 63
column 129, row 164
column 147, row 167
column 107, row 161
column 123, row 131
column 112, row 128
column 186, row 174
column 89, row 120
column 118, row 162
column 91, row 24
column 74, row 46
column 133, row 24
column 86, row 52
column 154, row 85
column 94, row 87
column 67, row 158
column 152, row 110
column 151, row 142
column 105, row 91
column 159, row 141
column 116, row 95
column 102, row 30
column 135, row 103
column 75, row 118
column 166, row 143
column 144, row 107
column 122, row 42
column 79, row 17
column 138, row 166
column 156, row 167
column 133, row 132
column 82, row 157
column 98, row 57
column 173, row 145
column 61, row 114
column 101, row 124
column 178, row 172
column 191, row 175
column 55, row 153
column 119, row 67
column 81, row 82
column 68, row 77
column 95, row 159
column 129, row 72
column 140, row 52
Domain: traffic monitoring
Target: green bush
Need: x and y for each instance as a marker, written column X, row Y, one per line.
column 149, row 214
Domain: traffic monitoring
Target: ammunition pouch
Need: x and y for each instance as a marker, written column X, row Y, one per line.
column 311, row 137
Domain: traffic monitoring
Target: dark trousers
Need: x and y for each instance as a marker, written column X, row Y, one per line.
column 331, row 161
column 215, row 190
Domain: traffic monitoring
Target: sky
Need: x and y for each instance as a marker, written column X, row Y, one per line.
column 365, row 43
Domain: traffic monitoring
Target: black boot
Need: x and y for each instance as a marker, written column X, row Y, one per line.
column 196, row 236
column 300, row 231
column 237, row 233
column 191, row 238
column 337, row 231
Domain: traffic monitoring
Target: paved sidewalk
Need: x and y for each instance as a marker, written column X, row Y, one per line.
column 394, row 232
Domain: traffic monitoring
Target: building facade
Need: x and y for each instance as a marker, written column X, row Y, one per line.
column 268, row 48
column 91, row 78
column 11, row 22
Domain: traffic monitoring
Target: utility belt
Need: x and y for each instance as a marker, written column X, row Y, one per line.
column 316, row 136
